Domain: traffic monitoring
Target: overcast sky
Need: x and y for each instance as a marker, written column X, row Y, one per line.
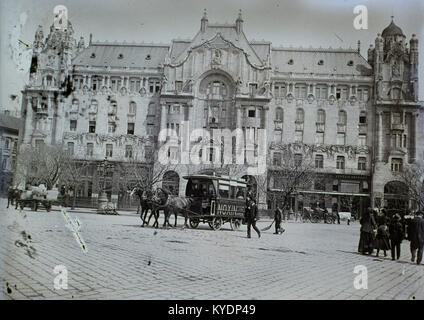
column 316, row 23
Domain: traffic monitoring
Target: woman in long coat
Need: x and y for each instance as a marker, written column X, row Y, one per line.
column 382, row 239
column 367, row 238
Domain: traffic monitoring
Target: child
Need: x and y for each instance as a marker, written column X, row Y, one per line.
column 382, row 238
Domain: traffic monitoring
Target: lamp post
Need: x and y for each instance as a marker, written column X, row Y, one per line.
column 102, row 168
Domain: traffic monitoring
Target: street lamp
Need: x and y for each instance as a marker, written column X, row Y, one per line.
column 102, row 168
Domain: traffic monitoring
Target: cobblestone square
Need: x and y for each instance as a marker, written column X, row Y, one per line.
column 125, row 261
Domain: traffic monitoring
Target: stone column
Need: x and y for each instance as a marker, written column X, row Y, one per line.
column 163, row 117
column 238, row 117
column 380, row 135
column 28, row 121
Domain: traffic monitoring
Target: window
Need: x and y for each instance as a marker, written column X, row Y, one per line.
column 111, row 127
column 109, row 150
column 338, row 93
column 362, row 140
column 363, row 118
column 397, row 164
column 148, row 152
column 154, row 86
column 362, row 163
column 73, row 125
column 300, row 91
column 319, row 138
column 319, row 161
column 362, row 94
column 340, row 162
column 253, row 87
column 7, row 143
column 396, row 118
column 178, row 86
column 342, row 117
column 321, row 91
column 150, row 129
column 321, row 116
column 128, row 151
column 319, row 185
column 341, row 138
column 297, row 159
column 276, row 159
column 251, row 113
column 132, row 108
column 90, row 148
column 279, row 114
column 130, row 129
column 70, row 148
column 280, row 91
column 320, row 121
column 300, row 115
column 92, row 126
column 113, row 107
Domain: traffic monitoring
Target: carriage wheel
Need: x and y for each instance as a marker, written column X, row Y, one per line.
column 235, row 224
column 194, row 222
column 315, row 219
column 216, row 223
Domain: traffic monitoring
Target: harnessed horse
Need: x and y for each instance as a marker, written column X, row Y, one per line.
column 173, row 205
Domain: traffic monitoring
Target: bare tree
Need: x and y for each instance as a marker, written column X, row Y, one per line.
column 288, row 173
column 72, row 171
column 40, row 165
column 412, row 177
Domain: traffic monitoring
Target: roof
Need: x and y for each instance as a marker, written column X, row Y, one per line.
column 392, row 30
column 228, row 33
column 11, row 123
column 320, row 61
column 122, row 55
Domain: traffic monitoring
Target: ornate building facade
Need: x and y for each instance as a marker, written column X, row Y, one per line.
column 358, row 119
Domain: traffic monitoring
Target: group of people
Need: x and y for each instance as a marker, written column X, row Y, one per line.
column 380, row 232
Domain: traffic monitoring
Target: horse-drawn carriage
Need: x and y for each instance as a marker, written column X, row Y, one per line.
column 216, row 200
column 34, row 196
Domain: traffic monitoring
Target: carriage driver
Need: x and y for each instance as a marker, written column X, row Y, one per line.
column 251, row 216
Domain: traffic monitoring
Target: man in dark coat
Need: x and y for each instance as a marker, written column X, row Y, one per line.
column 277, row 220
column 251, row 217
column 416, row 236
column 395, row 235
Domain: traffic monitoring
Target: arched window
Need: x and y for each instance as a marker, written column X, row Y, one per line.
column 132, row 108
column 342, row 117
column 75, row 105
column 300, row 115
column 321, row 116
column 279, row 114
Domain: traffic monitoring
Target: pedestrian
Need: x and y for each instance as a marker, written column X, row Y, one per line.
column 251, row 217
column 277, row 221
column 367, row 238
column 382, row 239
column 416, row 236
column 396, row 236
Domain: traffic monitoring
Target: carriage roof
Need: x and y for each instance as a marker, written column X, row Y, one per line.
column 221, row 179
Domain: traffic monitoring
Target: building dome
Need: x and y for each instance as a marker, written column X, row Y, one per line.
column 392, row 30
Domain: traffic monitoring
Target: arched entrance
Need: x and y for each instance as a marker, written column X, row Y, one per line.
column 396, row 196
column 171, row 182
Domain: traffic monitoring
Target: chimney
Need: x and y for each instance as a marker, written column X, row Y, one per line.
column 204, row 22
column 239, row 23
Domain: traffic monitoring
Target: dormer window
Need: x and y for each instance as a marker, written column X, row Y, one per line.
column 321, row 62
column 93, row 55
column 290, row 61
column 120, row 56
column 350, row 63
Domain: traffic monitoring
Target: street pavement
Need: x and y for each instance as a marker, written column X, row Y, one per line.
column 126, row 261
